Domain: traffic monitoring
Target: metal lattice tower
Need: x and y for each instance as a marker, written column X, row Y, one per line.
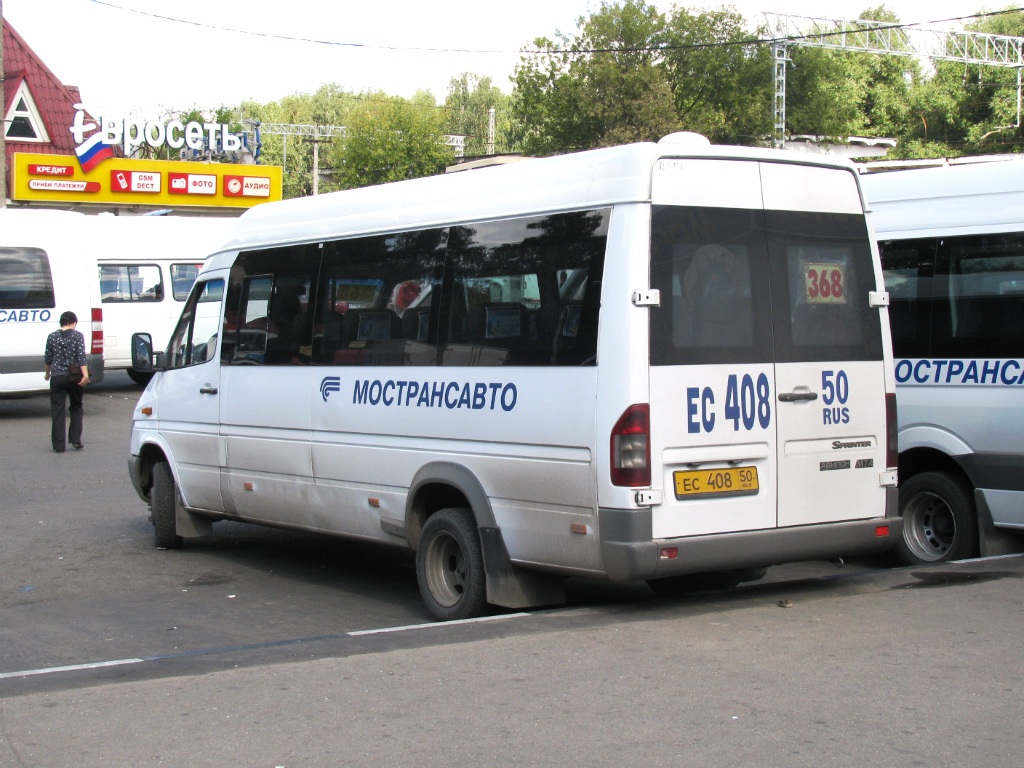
column 316, row 135
column 885, row 38
column 317, row 132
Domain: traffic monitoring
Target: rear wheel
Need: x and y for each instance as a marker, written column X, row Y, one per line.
column 450, row 565
column 940, row 522
column 162, row 499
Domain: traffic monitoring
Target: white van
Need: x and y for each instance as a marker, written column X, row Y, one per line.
column 952, row 248
column 633, row 363
column 147, row 265
column 47, row 266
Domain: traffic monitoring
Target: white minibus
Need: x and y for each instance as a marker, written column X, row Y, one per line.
column 47, row 266
column 147, row 265
column 952, row 249
column 635, row 363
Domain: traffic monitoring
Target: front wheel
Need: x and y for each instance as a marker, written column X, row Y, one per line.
column 162, row 499
column 141, row 378
column 450, row 566
column 940, row 522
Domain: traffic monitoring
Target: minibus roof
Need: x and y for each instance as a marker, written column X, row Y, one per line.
column 957, row 199
column 590, row 179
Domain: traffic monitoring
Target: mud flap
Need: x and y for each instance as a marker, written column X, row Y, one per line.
column 994, row 541
column 512, row 587
column 189, row 525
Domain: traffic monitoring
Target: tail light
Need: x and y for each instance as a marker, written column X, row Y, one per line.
column 892, row 430
column 631, row 447
column 96, row 347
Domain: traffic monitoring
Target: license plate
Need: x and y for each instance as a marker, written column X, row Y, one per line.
column 723, row 481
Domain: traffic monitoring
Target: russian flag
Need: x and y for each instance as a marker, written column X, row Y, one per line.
column 93, row 151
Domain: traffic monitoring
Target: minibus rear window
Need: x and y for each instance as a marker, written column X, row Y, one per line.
column 711, row 267
column 25, row 279
column 822, row 272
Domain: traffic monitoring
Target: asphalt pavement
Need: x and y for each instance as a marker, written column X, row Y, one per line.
column 270, row 651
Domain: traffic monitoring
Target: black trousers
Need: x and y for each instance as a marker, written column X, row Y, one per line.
column 61, row 391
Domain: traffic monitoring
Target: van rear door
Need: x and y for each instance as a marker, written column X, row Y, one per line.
column 766, row 359
column 829, row 371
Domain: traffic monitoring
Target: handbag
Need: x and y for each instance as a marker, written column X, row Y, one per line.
column 75, row 373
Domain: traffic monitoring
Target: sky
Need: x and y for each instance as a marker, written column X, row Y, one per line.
column 143, row 58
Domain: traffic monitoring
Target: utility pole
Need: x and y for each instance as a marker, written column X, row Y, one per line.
column 3, row 116
column 316, row 141
column 490, row 131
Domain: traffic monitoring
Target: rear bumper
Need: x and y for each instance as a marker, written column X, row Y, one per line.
column 630, row 554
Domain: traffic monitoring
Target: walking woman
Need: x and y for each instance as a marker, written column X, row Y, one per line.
column 67, row 372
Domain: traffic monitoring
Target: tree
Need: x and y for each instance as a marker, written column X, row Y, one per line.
column 992, row 107
column 605, row 86
column 328, row 105
column 721, row 76
column 389, row 138
column 469, row 103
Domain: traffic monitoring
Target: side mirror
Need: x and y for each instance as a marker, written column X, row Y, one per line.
column 142, row 352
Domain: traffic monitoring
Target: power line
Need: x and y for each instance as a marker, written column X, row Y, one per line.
column 525, row 51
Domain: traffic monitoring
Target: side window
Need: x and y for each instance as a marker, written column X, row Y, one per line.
column 822, row 271
column 25, row 279
column 268, row 319
column 182, row 278
column 525, row 291
column 131, row 282
column 710, row 265
column 195, row 339
column 984, row 293
column 909, row 267
column 377, row 300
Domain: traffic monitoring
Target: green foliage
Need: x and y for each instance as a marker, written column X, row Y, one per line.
column 386, row 138
column 631, row 73
column 470, row 101
column 605, row 86
column 721, row 80
column 959, row 109
column 328, row 105
column 389, row 139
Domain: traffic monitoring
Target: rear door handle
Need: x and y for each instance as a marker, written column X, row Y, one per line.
column 792, row 397
column 207, row 390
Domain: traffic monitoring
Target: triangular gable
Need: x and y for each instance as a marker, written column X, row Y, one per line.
column 23, row 121
column 53, row 102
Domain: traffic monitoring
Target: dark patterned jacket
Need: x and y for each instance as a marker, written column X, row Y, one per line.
column 63, row 348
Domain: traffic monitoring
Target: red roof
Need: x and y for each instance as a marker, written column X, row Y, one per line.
column 54, row 100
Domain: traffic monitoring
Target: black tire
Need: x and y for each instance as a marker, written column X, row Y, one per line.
column 140, row 377
column 450, row 566
column 162, row 498
column 940, row 522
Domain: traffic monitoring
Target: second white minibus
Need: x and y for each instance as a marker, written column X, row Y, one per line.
column 633, row 363
column 147, row 265
column 952, row 248
column 47, row 266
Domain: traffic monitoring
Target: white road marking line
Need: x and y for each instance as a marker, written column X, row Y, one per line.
column 408, row 627
column 121, row 662
column 70, row 668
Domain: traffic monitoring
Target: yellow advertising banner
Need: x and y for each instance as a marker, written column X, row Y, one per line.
column 163, row 183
